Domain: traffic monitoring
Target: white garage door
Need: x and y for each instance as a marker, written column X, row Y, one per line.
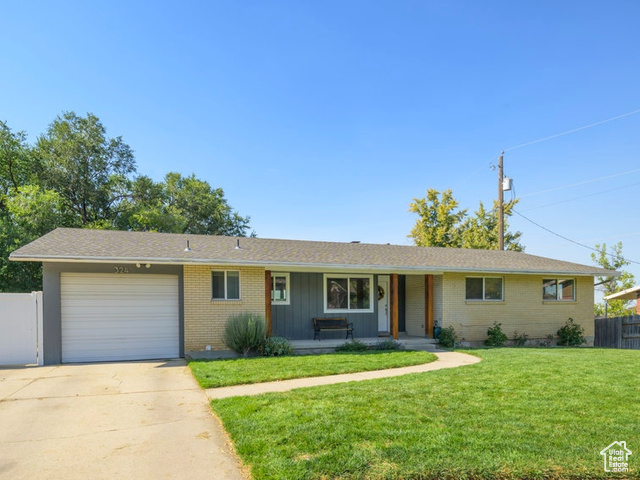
column 119, row 316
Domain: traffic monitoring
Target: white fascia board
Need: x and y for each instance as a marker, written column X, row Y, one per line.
column 305, row 267
column 628, row 294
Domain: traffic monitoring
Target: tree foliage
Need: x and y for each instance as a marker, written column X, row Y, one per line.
column 87, row 168
column 612, row 259
column 16, row 166
column 441, row 223
column 77, row 176
column 30, row 212
column 180, row 205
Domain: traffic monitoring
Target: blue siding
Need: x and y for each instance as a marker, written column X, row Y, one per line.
column 294, row 321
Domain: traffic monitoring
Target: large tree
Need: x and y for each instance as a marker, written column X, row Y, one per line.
column 180, row 205
column 16, row 162
column 87, row 168
column 30, row 212
column 76, row 176
column 441, row 223
column 612, row 259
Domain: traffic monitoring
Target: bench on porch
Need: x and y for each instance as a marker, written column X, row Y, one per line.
column 331, row 325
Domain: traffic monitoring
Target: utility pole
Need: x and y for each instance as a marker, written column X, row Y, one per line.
column 500, row 203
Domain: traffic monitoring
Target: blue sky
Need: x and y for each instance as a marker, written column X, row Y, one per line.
column 323, row 119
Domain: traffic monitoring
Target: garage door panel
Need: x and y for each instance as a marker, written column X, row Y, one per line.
column 119, row 317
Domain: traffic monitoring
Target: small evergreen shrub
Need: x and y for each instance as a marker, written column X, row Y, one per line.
column 275, row 347
column 571, row 334
column 387, row 345
column 244, row 332
column 352, row 346
column 519, row 339
column 448, row 337
column 495, row 336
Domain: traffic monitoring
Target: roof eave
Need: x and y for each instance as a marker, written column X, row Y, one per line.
column 304, row 265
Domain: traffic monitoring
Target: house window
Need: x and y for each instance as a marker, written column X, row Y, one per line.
column 225, row 285
column 348, row 293
column 484, row 288
column 280, row 288
column 555, row 289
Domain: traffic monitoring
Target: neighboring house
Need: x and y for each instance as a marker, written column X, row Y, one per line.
column 628, row 294
column 113, row 295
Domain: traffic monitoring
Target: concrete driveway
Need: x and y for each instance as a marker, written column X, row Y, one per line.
column 110, row 420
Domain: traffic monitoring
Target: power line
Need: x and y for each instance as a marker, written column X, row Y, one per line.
column 583, row 196
column 571, row 131
column 572, row 241
column 580, row 183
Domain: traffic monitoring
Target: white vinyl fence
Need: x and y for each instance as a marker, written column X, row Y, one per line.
column 21, row 328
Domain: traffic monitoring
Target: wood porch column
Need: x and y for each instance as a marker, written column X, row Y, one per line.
column 394, row 305
column 267, row 300
column 428, row 306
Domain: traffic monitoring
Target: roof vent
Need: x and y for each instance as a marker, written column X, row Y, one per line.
column 238, row 247
column 187, row 248
column 355, row 241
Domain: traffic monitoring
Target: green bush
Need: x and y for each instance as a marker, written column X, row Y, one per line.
column 448, row 337
column 519, row 339
column 244, row 332
column 387, row 345
column 275, row 347
column 352, row 346
column 495, row 336
column 571, row 334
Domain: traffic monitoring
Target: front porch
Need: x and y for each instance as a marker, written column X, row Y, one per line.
column 302, row 347
column 375, row 304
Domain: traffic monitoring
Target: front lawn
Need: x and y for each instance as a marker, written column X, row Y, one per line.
column 518, row 414
column 222, row 373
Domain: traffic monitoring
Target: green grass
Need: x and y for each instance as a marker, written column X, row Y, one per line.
column 518, row 414
column 222, row 373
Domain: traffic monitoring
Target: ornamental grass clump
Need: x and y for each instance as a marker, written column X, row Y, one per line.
column 244, row 332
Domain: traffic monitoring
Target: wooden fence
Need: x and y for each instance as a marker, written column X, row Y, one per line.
column 618, row 332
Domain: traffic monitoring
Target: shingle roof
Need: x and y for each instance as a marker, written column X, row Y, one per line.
column 87, row 245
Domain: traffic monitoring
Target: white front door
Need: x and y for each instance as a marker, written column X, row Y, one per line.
column 383, row 303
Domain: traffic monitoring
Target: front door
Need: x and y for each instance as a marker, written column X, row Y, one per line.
column 383, row 303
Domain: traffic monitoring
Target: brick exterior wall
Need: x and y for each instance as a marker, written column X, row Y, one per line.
column 204, row 319
column 522, row 309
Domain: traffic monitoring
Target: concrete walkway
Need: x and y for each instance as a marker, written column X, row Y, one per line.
column 445, row 360
column 109, row 421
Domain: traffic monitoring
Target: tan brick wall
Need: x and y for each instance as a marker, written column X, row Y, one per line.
column 522, row 310
column 204, row 319
column 414, row 306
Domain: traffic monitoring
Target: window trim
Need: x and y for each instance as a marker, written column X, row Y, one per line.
column 557, row 280
column 326, row 276
column 484, row 299
column 287, row 276
column 226, row 289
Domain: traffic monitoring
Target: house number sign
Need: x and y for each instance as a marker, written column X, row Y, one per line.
column 121, row 269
